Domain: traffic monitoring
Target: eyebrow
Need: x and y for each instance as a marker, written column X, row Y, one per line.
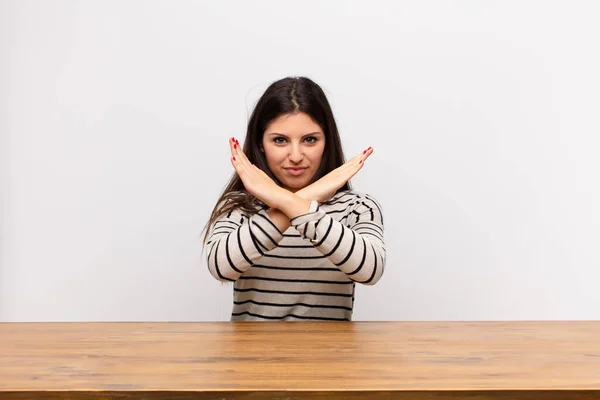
column 307, row 134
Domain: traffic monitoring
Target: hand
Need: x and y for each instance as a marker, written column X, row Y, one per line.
column 326, row 187
column 254, row 179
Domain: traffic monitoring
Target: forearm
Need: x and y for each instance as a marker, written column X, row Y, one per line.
column 358, row 250
column 280, row 218
column 281, row 221
column 291, row 204
column 361, row 255
column 234, row 246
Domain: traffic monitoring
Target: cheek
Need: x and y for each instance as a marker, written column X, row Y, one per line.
column 273, row 155
column 318, row 154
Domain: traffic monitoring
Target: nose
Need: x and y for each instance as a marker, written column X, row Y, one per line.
column 296, row 155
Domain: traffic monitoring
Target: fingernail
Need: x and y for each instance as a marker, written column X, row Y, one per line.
column 234, row 145
column 365, row 152
column 360, row 162
column 233, row 158
column 237, row 141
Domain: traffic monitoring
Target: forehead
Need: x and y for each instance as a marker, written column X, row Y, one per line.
column 293, row 124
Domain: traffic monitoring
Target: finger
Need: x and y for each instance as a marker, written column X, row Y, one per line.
column 235, row 150
column 365, row 154
column 241, row 155
column 362, row 155
column 232, row 146
column 242, row 165
column 352, row 167
column 362, row 158
column 235, row 154
column 359, row 158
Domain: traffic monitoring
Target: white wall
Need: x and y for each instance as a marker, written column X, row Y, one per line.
column 483, row 116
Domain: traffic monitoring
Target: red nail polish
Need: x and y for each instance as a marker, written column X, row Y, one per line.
column 365, row 152
column 360, row 162
column 233, row 158
column 237, row 141
column 234, row 145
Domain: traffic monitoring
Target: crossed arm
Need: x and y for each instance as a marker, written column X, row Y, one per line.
column 285, row 205
column 237, row 241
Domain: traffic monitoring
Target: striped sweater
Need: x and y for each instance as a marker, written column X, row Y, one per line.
column 309, row 271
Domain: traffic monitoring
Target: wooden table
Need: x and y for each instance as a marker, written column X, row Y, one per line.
column 293, row 360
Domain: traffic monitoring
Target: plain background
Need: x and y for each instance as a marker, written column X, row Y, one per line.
column 115, row 117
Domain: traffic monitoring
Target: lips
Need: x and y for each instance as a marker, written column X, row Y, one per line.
column 295, row 171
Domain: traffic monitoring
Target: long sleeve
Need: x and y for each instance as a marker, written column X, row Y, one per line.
column 236, row 241
column 357, row 247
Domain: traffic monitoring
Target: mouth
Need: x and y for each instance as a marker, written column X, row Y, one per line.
column 295, row 171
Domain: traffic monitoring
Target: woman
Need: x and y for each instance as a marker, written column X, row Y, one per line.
column 289, row 230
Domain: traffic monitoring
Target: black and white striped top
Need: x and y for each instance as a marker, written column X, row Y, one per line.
column 309, row 271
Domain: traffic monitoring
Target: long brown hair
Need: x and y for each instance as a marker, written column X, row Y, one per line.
column 285, row 96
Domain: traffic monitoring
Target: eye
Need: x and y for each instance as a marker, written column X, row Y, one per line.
column 314, row 139
column 277, row 138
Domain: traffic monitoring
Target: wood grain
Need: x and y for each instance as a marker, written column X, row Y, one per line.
column 246, row 360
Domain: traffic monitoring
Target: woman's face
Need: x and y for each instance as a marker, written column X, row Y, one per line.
column 294, row 145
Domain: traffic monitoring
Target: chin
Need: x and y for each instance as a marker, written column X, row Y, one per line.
column 294, row 187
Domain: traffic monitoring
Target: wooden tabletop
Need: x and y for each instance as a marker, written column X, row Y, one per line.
column 210, row 360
